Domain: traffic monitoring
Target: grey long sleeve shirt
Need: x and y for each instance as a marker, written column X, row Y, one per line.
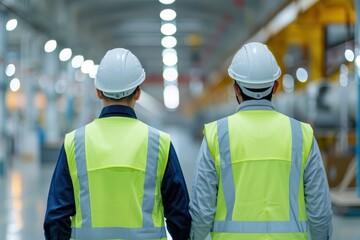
column 205, row 185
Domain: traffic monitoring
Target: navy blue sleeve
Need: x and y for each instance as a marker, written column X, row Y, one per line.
column 61, row 203
column 175, row 199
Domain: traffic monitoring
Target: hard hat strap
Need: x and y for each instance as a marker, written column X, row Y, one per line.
column 119, row 95
column 256, row 95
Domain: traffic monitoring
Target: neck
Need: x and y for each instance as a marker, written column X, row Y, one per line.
column 119, row 102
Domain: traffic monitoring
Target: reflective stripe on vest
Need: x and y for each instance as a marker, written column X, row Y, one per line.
column 293, row 225
column 148, row 230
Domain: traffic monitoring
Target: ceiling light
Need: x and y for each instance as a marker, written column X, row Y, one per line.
column 349, row 55
column 11, row 25
column 168, row 42
column 171, row 96
column 65, row 54
column 301, row 74
column 87, row 66
column 93, row 72
column 288, row 83
column 10, row 70
column 168, row 29
column 167, row 14
column 15, row 84
column 170, row 74
column 50, row 46
column 166, row 1
column 170, row 59
column 77, row 61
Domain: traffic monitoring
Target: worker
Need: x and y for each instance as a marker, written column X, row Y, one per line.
column 259, row 173
column 116, row 177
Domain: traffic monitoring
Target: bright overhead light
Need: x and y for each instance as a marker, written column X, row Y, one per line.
column 50, row 46
column 170, row 74
column 288, row 83
column 284, row 18
column 168, row 29
column 168, row 42
column 171, row 97
column 349, row 55
column 166, row 1
column 301, row 74
column 15, row 84
column 87, row 66
column 10, row 70
column 170, row 57
column 65, row 54
column 357, row 61
column 11, row 24
column 77, row 61
column 93, row 72
column 167, row 14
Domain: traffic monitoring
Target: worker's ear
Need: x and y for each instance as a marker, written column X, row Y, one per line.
column 137, row 93
column 276, row 86
column 237, row 89
column 100, row 94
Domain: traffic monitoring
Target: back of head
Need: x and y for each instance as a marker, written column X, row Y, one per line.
column 119, row 73
column 254, row 67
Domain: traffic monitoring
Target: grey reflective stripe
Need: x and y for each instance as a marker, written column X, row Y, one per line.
column 150, row 177
column 226, row 169
column 293, row 225
column 259, row 227
column 295, row 171
column 116, row 233
column 80, row 158
column 148, row 230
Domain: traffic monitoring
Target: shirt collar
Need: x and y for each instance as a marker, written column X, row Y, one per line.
column 117, row 111
column 255, row 105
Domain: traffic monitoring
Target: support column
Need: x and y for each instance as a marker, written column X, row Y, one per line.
column 357, row 72
column 52, row 131
column 3, row 87
column 30, row 150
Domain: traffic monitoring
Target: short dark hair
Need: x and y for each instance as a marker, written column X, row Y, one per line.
column 246, row 97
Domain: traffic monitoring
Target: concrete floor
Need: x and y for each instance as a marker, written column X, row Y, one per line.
column 23, row 193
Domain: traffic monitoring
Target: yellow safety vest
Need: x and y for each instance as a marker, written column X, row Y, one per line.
column 260, row 157
column 117, row 165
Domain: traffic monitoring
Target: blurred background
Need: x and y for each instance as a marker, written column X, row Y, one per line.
column 50, row 51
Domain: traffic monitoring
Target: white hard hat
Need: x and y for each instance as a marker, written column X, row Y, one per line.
column 254, row 67
column 119, row 73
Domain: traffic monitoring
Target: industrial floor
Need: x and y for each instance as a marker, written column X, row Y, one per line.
column 23, row 193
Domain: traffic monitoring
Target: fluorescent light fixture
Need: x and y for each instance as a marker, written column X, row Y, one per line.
column 302, row 74
column 357, row 61
column 168, row 29
column 284, row 18
column 65, row 54
column 87, row 66
column 166, row 1
column 171, row 97
column 50, row 46
column 11, row 25
column 168, row 42
column 349, row 55
column 170, row 74
column 77, row 61
column 167, row 14
column 170, row 59
column 10, row 70
column 288, row 83
column 15, row 84
column 93, row 72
